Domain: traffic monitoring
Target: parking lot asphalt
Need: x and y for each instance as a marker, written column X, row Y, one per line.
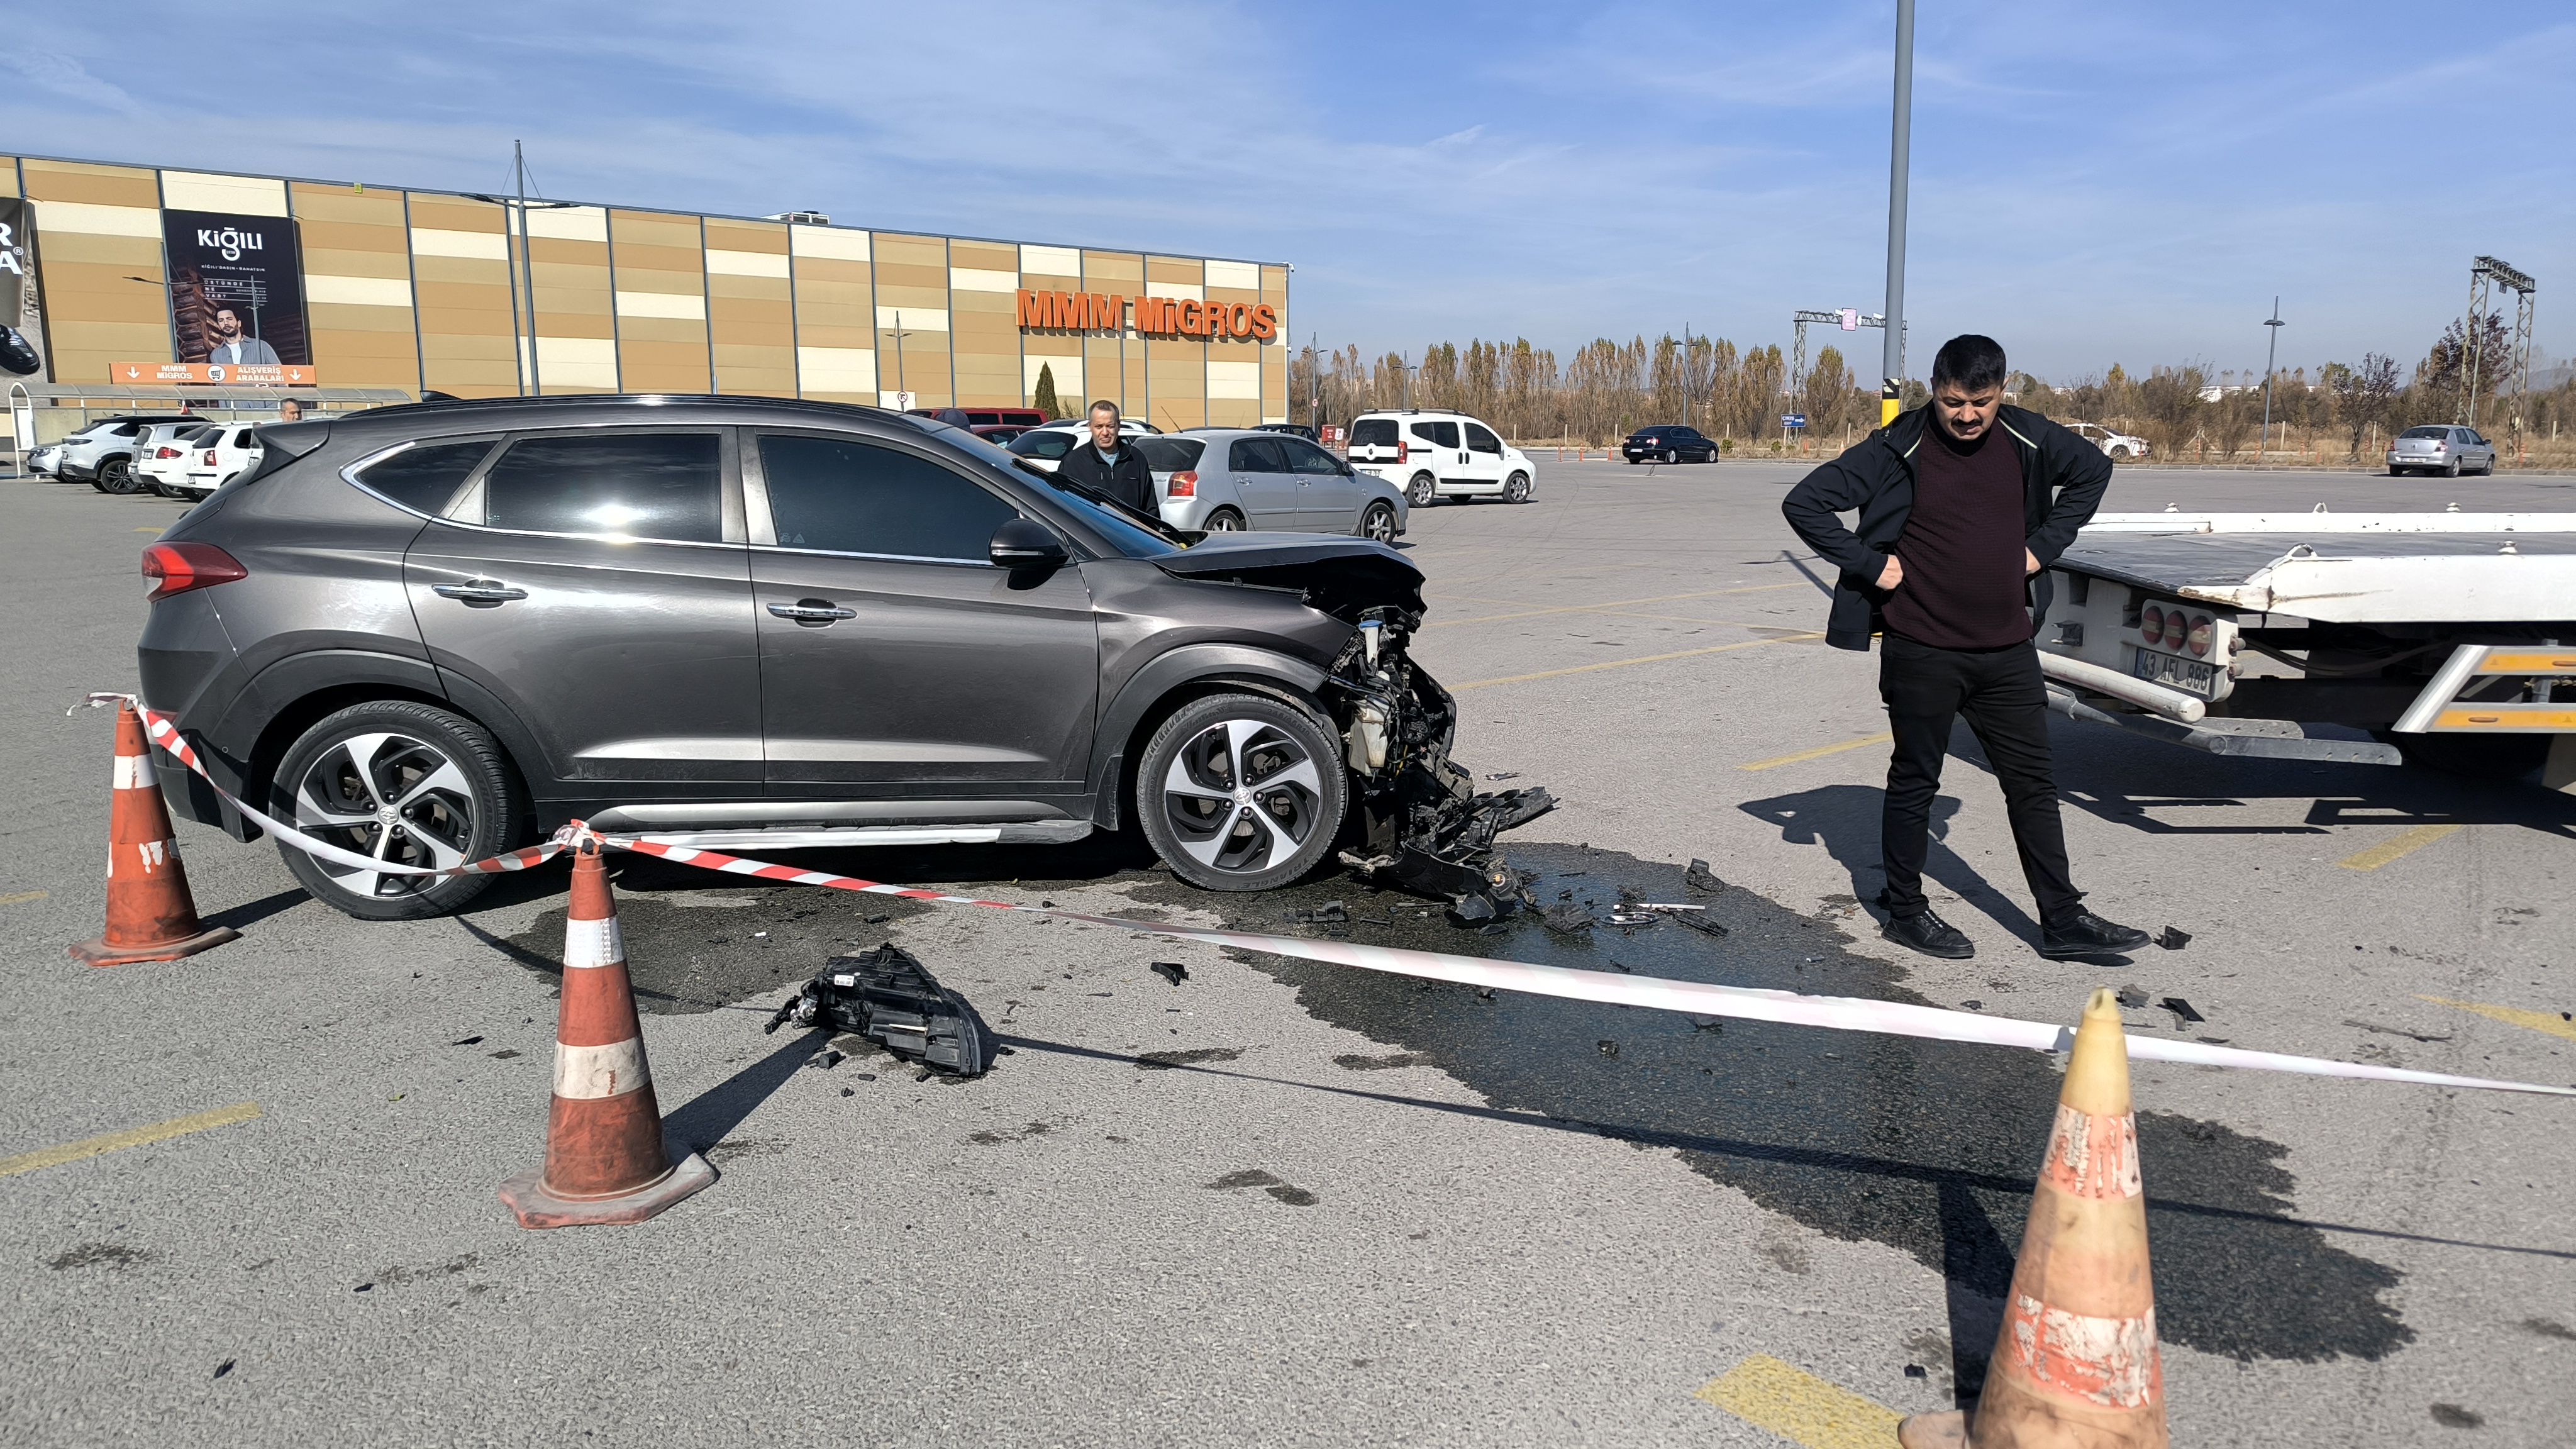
column 1280, row 1203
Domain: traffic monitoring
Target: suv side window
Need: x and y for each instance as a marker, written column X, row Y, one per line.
column 1256, row 455
column 840, row 495
column 1444, row 434
column 423, row 479
column 1305, row 457
column 1480, row 440
column 641, row 485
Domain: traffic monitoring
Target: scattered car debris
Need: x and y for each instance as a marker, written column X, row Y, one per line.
column 2373, row 1026
column 505, row 1055
column 1503, row 775
column 825, row 1060
column 1715, row 1024
column 876, row 920
column 1623, row 966
column 1484, row 993
column 1165, row 1061
column 1330, row 913
column 1701, row 924
column 2182, row 1010
column 1567, row 918
column 469, row 1041
column 1493, row 928
column 223, row 1368
column 1666, row 906
column 893, row 1000
column 1171, row 971
column 2133, row 997
column 1700, row 878
column 1623, row 915
column 1608, row 1048
column 2174, row 938
column 1972, row 1006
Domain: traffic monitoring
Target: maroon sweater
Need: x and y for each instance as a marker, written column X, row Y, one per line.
column 1962, row 547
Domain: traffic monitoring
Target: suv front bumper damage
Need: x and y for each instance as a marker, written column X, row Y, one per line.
column 1426, row 830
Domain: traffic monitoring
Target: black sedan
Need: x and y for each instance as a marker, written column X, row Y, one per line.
column 1669, row 444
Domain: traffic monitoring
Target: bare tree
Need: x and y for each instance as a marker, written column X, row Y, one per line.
column 2362, row 395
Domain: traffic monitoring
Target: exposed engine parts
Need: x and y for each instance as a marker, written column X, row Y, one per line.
column 893, row 1000
column 1426, row 829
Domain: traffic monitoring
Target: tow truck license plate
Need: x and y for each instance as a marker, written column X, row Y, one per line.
column 2183, row 674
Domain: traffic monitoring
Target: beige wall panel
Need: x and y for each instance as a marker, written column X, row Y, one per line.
column 921, row 369
column 828, row 242
column 647, row 366
column 1187, row 271
column 984, row 256
column 1068, row 377
column 1109, row 271
column 1132, row 378
column 1177, row 380
column 1050, row 261
column 319, row 205
column 1233, row 413
column 454, row 213
column 391, row 266
column 99, row 185
column 242, row 195
column 93, row 315
column 769, row 237
column 8, row 175
column 1234, row 276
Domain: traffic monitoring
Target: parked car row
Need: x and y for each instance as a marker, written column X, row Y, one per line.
column 178, row 455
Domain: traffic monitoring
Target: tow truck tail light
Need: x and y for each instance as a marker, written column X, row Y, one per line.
column 2203, row 632
column 180, row 567
column 1183, row 485
column 2151, row 625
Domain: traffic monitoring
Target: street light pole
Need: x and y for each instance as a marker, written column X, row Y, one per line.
column 1892, row 357
column 2271, row 354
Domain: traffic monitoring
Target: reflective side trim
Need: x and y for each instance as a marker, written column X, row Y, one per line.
column 593, row 943
column 589, row 1073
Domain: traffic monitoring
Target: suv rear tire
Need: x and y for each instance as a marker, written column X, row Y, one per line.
column 405, row 782
column 115, row 475
column 1423, row 491
column 1221, row 834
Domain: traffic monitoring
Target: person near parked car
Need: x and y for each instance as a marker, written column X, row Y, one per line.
column 290, row 411
column 1111, row 466
column 1961, row 502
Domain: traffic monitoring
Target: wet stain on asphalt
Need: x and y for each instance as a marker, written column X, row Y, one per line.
column 1929, row 1147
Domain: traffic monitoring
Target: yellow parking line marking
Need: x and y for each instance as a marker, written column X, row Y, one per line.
column 1820, row 751
column 130, row 1137
column 2399, row 848
column 1800, row 1407
column 2549, row 1022
column 147, row 530
column 20, row 898
column 1624, row 663
column 1612, row 604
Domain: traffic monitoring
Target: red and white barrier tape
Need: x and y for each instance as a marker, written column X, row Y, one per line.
column 1694, row 998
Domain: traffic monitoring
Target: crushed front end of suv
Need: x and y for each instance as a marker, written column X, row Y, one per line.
column 430, row 634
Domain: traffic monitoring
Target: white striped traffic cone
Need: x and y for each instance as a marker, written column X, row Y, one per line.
column 605, row 1158
column 150, row 914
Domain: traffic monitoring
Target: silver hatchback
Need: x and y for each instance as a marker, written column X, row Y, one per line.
column 1218, row 480
column 2449, row 451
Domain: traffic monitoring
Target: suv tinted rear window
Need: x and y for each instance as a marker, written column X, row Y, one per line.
column 1373, row 433
column 1050, row 444
column 1171, row 455
column 424, row 479
column 2425, row 433
column 645, row 485
column 845, row 496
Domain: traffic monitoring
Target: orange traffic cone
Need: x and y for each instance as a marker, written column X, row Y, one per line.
column 150, row 915
column 2075, row 1366
column 605, row 1158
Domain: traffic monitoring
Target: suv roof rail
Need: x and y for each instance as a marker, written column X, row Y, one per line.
column 646, row 399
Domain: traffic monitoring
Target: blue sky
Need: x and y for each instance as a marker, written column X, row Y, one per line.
column 2092, row 183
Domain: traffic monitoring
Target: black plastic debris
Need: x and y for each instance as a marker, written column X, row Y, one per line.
column 876, row 920
column 2133, row 997
column 1171, row 971
column 1608, row 1048
column 1567, row 918
column 1623, row 966
column 469, row 1041
column 1627, row 918
column 504, row 1055
column 1713, row 1023
column 1699, row 921
column 893, row 1000
column 849, row 1091
column 1484, row 993
column 1914, row 1371
column 1700, row 878
column 2174, row 938
column 1972, row 1006
column 2183, row 1014
column 1330, row 913
column 824, row 1061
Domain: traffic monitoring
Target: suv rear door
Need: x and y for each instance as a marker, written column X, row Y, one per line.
column 598, row 584
column 1263, row 482
column 892, row 651
column 1328, row 497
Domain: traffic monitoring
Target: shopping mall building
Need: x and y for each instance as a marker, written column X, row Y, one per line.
column 137, row 278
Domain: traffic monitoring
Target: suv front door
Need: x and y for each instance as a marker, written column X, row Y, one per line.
column 1484, row 456
column 597, row 584
column 892, row 651
column 1328, row 497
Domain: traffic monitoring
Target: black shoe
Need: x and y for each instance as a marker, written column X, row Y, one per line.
column 1929, row 934
column 2086, row 934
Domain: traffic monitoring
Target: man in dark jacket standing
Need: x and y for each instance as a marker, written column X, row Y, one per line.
column 1961, row 504
column 1110, row 465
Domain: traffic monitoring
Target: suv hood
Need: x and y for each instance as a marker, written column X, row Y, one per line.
column 1339, row 576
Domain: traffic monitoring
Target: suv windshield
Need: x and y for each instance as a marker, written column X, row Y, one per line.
column 1131, row 533
column 1171, row 455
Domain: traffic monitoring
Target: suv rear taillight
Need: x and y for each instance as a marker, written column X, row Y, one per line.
column 184, row 566
column 1403, row 451
column 165, row 453
column 210, row 457
column 1183, row 485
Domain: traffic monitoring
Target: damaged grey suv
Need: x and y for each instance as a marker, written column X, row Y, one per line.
column 430, row 633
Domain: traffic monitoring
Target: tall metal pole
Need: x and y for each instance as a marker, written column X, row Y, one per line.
column 527, row 262
column 1892, row 359
column 2271, row 354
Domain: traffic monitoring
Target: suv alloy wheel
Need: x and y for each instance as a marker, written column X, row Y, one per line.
column 1516, row 488
column 408, row 784
column 1240, row 792
column 1423, row 491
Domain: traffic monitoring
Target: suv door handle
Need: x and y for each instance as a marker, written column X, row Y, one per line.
column 479, row 591
column 815, row 613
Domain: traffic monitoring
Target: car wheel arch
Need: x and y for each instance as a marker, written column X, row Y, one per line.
column 392, row 678
column 1170, row 681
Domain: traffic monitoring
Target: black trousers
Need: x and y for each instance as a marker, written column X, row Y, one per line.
column 2001, row 693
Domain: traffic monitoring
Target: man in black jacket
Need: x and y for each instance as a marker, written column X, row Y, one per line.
column 1962, row 503
column 1109, row 465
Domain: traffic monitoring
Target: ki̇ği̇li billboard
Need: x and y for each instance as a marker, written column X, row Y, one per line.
column 236, row 289
column 20, row 307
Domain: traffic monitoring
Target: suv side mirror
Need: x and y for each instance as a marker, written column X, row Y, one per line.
column 1022, row 543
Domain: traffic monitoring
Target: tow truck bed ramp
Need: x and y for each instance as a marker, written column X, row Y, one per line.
column 2387, row 568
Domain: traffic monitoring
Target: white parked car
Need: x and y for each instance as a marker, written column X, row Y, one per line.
column 1220, row 480
column 2120, row 446
column 166, row 451
column 1045, row 447
column 1429, row 454
column 222, row 455
column 102, row 454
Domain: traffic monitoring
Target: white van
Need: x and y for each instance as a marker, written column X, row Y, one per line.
column 1430, row 454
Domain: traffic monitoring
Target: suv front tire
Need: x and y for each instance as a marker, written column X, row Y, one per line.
column 1241, row 792
column 407, row 783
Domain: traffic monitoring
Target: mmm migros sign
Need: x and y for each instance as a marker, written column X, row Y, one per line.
column 1154, row 316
